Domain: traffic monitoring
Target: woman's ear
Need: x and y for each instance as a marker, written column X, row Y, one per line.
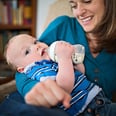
column 20, row 69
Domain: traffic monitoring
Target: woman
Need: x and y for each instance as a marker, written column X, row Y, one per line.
column 97, row 33
column 94, row 27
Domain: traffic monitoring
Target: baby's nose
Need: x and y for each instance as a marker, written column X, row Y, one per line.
column 38, row 47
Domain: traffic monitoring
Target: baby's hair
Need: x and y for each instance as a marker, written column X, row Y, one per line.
column 9, row 59
column 11, row 64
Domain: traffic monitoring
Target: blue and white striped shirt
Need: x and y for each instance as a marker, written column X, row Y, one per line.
column 83, row 91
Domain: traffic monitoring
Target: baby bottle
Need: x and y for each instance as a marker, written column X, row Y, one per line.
column 77, row 57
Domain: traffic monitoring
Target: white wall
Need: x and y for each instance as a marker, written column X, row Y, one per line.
column 42, row 10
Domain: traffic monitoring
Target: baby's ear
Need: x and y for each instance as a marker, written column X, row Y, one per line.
column 20, row 69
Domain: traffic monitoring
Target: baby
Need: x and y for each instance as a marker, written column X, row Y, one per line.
column 27, row 55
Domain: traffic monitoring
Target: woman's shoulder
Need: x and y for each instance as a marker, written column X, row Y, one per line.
column 64, row 18
column 64, row 21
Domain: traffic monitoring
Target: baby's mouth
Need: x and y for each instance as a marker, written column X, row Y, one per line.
column 43, row 51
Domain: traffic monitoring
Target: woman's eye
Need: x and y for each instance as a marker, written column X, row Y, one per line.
column 26, row 52
column 73, row 5
column 87, row 1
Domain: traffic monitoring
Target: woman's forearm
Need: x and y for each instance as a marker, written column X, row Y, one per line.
column 23, row 83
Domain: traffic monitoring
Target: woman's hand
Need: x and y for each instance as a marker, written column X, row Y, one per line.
column 47, row 94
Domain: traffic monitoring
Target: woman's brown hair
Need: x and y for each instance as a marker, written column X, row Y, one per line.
column 106, row 30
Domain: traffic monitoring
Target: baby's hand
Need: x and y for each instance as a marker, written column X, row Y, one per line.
column 64, row 50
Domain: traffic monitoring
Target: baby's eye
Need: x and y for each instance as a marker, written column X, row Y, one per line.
column 26, row 52
column 35, row 42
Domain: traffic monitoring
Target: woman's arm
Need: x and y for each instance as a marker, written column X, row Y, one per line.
column 23, row 83
column 46, row 93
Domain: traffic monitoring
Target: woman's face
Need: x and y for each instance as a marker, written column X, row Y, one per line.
column 88, row 12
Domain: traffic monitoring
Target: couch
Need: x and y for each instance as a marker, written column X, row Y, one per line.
column 7, row 81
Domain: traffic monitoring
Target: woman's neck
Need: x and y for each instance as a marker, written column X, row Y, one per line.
column 92, row 44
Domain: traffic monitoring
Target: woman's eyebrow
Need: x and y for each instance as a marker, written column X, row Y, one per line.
column 70, row 1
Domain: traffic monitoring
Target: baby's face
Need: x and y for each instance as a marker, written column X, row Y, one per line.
column 25, row 50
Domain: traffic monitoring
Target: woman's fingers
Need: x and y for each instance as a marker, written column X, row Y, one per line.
column 47, row 94
column 59, row 94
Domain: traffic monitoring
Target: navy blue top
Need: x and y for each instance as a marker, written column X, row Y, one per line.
column 100, row 70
